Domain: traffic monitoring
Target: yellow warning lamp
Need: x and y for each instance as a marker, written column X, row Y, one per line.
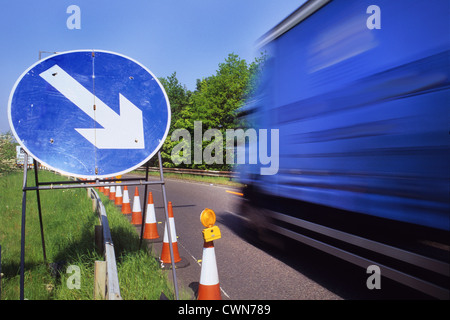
column 208, row 218
column 212, row 232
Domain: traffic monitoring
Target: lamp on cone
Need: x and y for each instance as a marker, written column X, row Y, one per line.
column 209, row 287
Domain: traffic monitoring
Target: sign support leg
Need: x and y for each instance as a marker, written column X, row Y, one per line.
column 22, row 240
column 144, row 213
column 39, row 209
column 163, row 188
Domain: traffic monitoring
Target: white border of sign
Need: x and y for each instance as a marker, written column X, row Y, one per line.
column 89, row 176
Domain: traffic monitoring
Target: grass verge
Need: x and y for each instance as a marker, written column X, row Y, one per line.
column 68, row 223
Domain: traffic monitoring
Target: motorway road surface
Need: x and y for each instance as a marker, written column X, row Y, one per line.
column 249, row 269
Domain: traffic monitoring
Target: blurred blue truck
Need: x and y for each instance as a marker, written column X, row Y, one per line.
column 359, row 93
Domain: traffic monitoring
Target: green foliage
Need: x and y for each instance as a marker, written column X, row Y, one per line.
column 179, row 98
column 68, row 228
column 7, row 153
column 215, row 103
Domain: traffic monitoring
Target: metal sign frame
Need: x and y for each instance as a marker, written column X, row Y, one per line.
column 55, row 185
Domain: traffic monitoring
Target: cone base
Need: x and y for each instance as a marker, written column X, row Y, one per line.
column 165, row 253
column 136, row 218
column 156, row 240
column 126, row 208
column 166, row 262
column 150, row 231
column 183, row 263
column 211, row 292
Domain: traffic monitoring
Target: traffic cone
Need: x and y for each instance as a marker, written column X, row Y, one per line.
column 106, row 191
column 126, row 208
column 136, row 214
column 209, row 287
column 150, row 228
column 166, row 261
column 101, row 188
column 119, row 197
column 112, row 193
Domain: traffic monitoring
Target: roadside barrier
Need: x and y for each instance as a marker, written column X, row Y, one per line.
column 126, row 208
column 106, row 280
column 150, row 227
column 136, row 214
column 198, row 172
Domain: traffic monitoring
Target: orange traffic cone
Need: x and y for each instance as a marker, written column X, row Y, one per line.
column 209, row 287
column 126, row 208
column 150, row 228
column 106, row 189
column 166, row 261
column 101, row 188
column 136, row 214
column 112, row 193
column 119, row 197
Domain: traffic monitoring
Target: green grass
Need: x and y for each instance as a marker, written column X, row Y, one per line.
column 69, row 238
column 68, row 227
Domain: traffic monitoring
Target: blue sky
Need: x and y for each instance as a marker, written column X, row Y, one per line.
column 190, row 37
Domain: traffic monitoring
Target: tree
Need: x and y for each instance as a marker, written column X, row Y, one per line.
column 215, row 103
column 7, row 153
column 179, row 98
column 219, row 97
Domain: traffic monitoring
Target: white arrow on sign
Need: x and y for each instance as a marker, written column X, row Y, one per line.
column 124, row 131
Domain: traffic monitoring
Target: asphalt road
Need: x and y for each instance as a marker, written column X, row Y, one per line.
column 249, row 269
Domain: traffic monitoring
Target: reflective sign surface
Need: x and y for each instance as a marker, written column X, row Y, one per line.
column 89, row 113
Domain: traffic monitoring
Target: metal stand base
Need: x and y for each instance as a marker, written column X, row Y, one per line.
column 88, row 183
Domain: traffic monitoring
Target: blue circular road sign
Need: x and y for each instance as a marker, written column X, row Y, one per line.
column 89, row 113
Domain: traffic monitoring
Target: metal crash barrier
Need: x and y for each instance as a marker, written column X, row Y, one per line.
column 106, row 283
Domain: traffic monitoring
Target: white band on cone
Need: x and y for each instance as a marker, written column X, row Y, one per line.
column 126, row 198
column 208, row 273
column 136, row 204
column 172, row 232
column 150, row 217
